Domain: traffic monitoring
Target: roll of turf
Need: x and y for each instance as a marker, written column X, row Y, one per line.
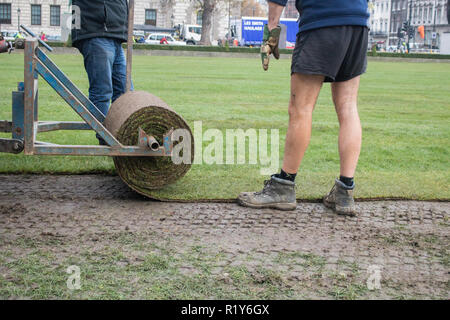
column 139, row 109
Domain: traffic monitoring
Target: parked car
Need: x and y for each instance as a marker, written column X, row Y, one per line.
column 9, row 35
column 155, row 38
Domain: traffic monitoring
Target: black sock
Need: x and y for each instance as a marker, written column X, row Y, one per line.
column 286, row 176
column 347, row 181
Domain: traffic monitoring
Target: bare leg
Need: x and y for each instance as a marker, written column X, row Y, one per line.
column 304, row 92
column 345, row 96
column 280, row 193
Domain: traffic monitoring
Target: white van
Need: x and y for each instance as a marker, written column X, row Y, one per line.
column 191, row 33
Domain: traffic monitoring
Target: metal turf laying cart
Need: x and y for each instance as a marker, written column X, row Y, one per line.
column 137, row 129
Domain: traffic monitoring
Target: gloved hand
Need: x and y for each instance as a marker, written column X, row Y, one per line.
column 270, row 45
column 6, row 46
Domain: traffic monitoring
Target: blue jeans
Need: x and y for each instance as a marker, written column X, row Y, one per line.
column 106, row 68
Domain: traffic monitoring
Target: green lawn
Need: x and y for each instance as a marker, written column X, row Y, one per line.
column 404, row 108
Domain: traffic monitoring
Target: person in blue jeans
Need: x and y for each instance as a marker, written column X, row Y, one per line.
column 102, row 29
column 105, row 64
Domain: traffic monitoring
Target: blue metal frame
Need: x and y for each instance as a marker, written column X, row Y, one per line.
column 81, row 150
column 25, row 124
column 46, row 126
column 76, row 105
column 17, row 112
column 30, row 96
column 69, row 85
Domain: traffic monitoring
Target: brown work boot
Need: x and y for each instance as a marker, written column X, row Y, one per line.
column 277, row 194
column 340, row 199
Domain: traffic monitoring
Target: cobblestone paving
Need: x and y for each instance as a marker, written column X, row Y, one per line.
column 407, row 240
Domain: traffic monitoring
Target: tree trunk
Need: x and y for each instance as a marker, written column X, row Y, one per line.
column 208, row 9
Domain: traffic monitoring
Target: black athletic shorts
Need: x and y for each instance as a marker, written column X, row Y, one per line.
column 339, row 53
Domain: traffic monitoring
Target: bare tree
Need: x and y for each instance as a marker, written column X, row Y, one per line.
column 251, row 8
column 166, row 8
column 207, row 7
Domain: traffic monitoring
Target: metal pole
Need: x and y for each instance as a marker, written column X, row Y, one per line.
column 434, row 26
column 410, row 12
column 435, row 13
column 30, row 83
column 229, row 19
column 409, row 23
column 18, row 20
column 130, row 42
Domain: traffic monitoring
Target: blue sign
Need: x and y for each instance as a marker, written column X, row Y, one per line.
column 253, row 30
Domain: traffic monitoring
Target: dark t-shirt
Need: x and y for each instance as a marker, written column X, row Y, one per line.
column 316, row 14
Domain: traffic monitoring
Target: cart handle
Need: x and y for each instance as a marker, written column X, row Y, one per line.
column 31, row 33
column 130, row 42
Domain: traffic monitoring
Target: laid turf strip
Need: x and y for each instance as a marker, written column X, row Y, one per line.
column 404, row 110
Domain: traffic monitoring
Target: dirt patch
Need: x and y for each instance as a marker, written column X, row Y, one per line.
column 15, row 208
column 212, row 250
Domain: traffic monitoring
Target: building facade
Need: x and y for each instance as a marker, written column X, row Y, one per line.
column 49, row 16
column 432, row 14
column 380, row 20
column 387, row 17
column 399, row 14
column 40, row 15
column 172, row 13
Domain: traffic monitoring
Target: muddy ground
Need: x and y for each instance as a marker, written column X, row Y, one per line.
column 130, row 247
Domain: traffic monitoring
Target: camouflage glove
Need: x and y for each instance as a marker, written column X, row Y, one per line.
column 6, row 46
column 270, row 45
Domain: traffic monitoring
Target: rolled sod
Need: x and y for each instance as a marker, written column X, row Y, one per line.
column 139, row 109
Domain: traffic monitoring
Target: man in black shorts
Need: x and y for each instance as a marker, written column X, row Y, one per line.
column 331, row 47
